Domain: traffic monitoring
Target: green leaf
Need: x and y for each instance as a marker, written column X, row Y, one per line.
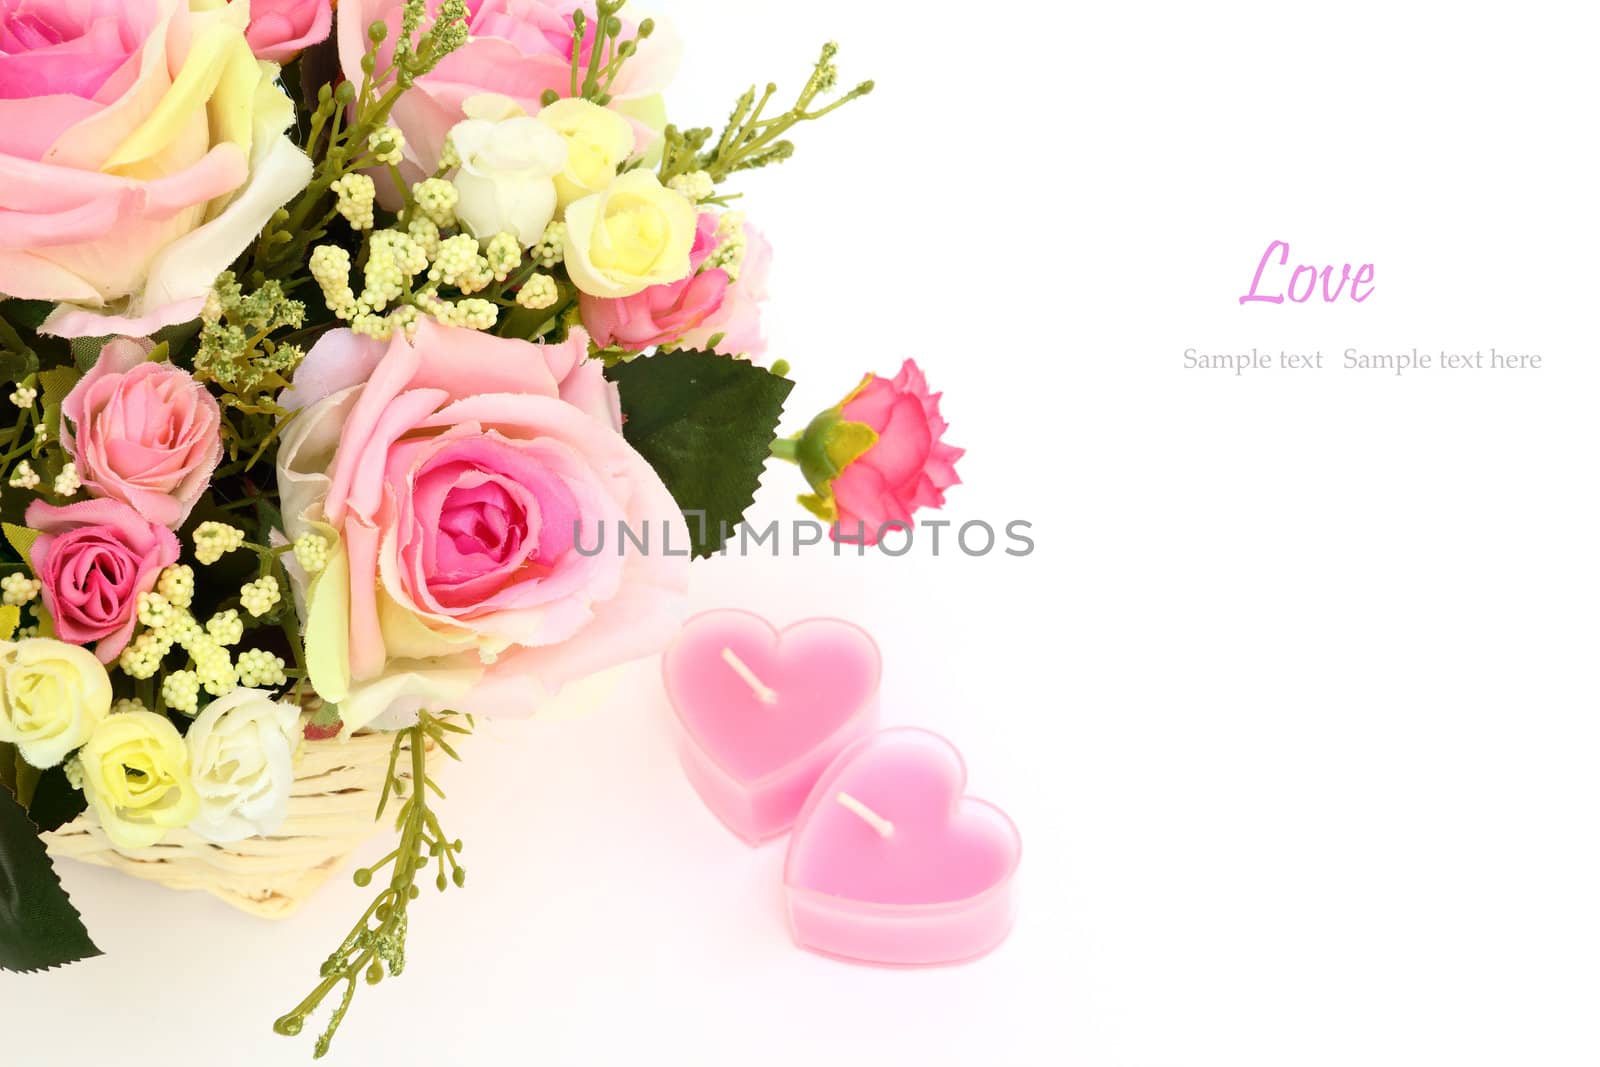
column 28, row 314
column 39, row 927
column 704, row 422
column 22, row 540
column 15, row 366
column 54, row 385
column 55, row 803
column 10, row 617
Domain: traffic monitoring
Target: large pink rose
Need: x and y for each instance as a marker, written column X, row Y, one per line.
column 281, row 28
column 518, row 49
column 456, row 473
column 142, row 148
column 143, row 433
column 94, row 558
column 738, row 317
column 908, row 467
column 662, row 313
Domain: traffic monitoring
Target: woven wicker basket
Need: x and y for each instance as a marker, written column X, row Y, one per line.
column 332, row 810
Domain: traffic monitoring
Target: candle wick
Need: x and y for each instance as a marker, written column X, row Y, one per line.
column 763, row 692
column 883, row 826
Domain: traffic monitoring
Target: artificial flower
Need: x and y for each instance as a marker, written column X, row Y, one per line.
column 136, row 778
column 736, row 322
column 455, row 476
column 241, row 760
column 663, row 313
column 517, row 48
column 52, row 696
column 95, row 557
column 634, row 234
column 279, row 29
column 878, row 456
column 142, row 148
column 143, row 433
column 509, row 165
column 598, row 142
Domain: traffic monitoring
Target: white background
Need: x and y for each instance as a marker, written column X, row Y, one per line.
column 1294, row 703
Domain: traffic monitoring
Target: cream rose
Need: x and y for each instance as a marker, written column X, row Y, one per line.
column 145, row 148
column 509, row 161
column 598, row 142
column 52, row 696
column 136, row 776
column 635, row 234
column 241, row 759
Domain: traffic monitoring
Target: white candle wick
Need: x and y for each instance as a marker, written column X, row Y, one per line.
column 763, row 692
column 883, row 826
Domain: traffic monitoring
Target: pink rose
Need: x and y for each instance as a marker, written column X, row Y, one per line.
column 144, row 433
column 662, row 313
column 94, row 558
column 281, row 28
column 738, row 319
column 516, row 48
column 908, row 466
column 456, row 473
column 142, row 149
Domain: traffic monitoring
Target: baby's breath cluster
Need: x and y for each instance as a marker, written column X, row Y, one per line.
column 213, row 540
column 419, row 267
column 311, row 552
column 167, row 623
column 260, row 596
column 731, row 244
column 356, row 194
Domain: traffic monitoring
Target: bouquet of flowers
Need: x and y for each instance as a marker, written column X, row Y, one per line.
column 374, row 369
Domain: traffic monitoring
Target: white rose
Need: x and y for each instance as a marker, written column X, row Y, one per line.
column 52, row 696
column 241, row 760
column 509, row 162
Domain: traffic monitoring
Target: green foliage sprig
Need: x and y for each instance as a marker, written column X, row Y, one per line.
column 376, row 946
column 750, row 139
column 342, row 125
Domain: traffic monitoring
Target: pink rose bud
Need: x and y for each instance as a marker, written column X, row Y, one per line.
column 94, row 558
column 877, row 457
column 143, row 433
column 281, row 28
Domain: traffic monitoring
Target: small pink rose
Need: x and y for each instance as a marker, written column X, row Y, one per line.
column 143, row 433
column 738, row 317
column 661, row 314
column 281, row 28
column 907, row 466
column 94, row 558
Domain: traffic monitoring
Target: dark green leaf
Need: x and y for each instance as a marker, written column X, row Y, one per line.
column 39, row 927
column 28, row 314
column 15, row 366
column 55, row 802
column 705, row 423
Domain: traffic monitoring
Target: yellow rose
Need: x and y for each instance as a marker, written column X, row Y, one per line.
column 52, row 696
column 136, row 776
column 635, row 234
column 598, row 142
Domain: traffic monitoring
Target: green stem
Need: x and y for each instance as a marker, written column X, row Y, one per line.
column 786, row 448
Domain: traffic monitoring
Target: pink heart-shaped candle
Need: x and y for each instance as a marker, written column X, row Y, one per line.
column 763, row 713
column 890, row 863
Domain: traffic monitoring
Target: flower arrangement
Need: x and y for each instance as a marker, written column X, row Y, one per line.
column 333, row 338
